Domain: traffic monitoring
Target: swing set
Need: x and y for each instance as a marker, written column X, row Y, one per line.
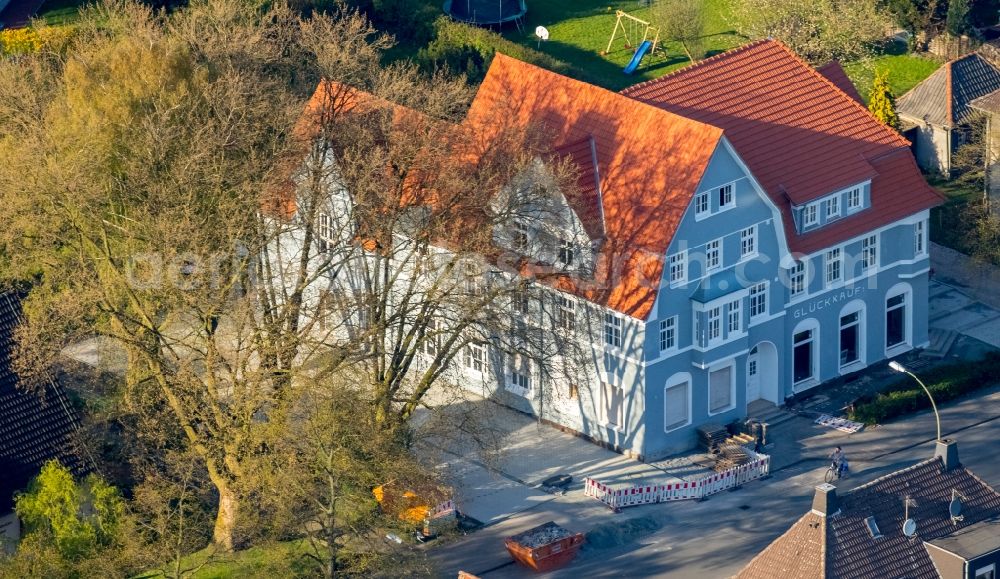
column 630, row 27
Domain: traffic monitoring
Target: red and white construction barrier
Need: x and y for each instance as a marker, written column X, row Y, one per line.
column 442, row 508
column 617, row 498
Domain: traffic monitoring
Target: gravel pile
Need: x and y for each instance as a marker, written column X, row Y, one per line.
column 543, row 535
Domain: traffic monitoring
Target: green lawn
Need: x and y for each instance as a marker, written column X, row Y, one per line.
column 905, row 70
column 579, row 31
column 273, row 560
column 60, row 12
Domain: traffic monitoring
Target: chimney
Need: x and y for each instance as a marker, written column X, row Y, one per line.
column 947, row 450
column 825, row 501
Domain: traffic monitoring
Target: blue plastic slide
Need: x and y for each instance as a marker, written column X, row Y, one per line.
column 637, row 57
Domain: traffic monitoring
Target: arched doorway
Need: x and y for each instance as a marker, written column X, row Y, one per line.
column 762, row 373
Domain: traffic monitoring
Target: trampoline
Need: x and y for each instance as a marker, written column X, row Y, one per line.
column 486, row 12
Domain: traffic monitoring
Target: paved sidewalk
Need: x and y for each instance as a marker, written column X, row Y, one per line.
column 977, row 279
column 799, row 454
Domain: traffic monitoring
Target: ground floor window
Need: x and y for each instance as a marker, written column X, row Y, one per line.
column 676, row 406
column 720, row 390
column 802, row 355
column 895, row 320
column 850, row 338
column 519, row 374
column 614, row 405
column 475, row 357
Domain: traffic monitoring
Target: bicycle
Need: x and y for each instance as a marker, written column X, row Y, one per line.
column 831, row 473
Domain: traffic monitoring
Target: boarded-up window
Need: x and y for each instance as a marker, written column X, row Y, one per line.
column 613, row 405
column 720, row 395
column 676, row 401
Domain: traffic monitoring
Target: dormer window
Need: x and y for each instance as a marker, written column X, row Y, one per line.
column 565, row 253
column 809, row 216
column 832, row 207
column 854, row 199
column 725, row 196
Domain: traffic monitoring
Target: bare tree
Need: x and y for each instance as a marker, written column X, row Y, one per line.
column 146, row 178
column 683, row 21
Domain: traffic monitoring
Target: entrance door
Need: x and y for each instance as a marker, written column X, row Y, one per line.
column 753, row 376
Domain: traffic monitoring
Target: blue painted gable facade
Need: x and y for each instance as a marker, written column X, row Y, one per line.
column 749, row 320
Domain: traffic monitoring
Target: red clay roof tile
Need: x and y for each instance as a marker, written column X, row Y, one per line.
column 801, row 136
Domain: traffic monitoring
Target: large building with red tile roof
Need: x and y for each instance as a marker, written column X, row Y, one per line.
column 743, row 228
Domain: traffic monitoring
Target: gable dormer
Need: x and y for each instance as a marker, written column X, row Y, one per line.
column 832, row 208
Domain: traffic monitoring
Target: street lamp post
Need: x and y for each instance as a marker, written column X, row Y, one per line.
column 937, row 417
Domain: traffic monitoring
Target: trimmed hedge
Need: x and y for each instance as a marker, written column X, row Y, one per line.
column 469, row 49
column 947, row 382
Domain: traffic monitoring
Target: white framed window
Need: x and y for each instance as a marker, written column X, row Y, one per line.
column 475, row 357
column 803, row 354
column 919, row 241
column 324, row 232
column 809, row 216
column 758, row 300
column 987, row 572
column 432, row 337
column 613, row 407
column 869, row 253
column 473, row 280
column 748, row 242
column 520, row 303
column 565, row 252
column 797, row 278
column 668, row 334
column 714, row 323
column 713, row 254
column 720, row 390
column 735, row 317
column 833, row 266
column 833, row 207
column 726, row 197
column 701, row 206
column 519, row 236
column 678, row 267
column 519, row 374
column 612, row 330
column 896, row 321
column 565, row 314
column 854, row 199
column 677, row 402
column 850, row 338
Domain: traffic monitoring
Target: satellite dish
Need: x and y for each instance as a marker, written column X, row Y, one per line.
column 955, row 508
column 542, row 33
column 909, row 527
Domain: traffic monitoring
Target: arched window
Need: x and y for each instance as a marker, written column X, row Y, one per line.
column 805, row 351
column 898, row 326
column 852, row 334
column 677, row 402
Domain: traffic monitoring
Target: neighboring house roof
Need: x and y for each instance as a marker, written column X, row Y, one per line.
column 944, row 97
column 650, row 163
column 35, row 427
column 836, row 74
column 989, row 103
column 846, row 547
column 801, row 136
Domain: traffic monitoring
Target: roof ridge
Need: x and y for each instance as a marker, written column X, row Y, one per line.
column 695, row 65
column 657, row 110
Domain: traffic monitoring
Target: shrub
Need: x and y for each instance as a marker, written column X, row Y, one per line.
column 17, row 41
column 468, row 49
column 945, row 383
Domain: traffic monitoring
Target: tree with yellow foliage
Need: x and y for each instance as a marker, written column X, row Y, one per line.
column 881, row 102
